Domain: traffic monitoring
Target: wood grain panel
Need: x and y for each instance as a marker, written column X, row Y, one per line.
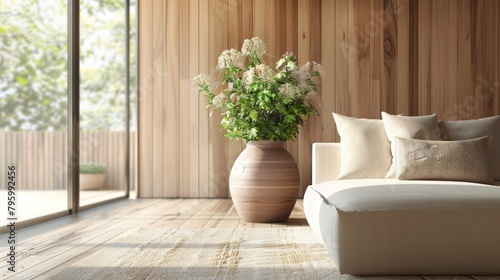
column 204, row 123
column 184, row 100
column 159, row 37
column 359, row 59
column 496, row 84
column 464, row 60
column 451, row 32
column 439, row 18
column 402, row 12
column 328, row 16
column 145, row 101
column 264, row 26
column 171, row 95
column 194, row 124
column 408, row 56
column 390, row 41
column 341, row 56
column 218, row 152
column 424, row 57
column 375, row 31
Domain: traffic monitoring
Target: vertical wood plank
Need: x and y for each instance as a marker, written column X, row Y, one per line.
column 194, row 70
column 247, row 19
column 497, row 59
column 451, row 94
column 341, row 56
column 328, row 61
column 146, row 76
column 388, row 94
column 414, row 60
column 374, row 30
column 359, row 71
column 464, row 61
column 424, row 57
column 403, row 57
column 352, row 61
column 184, row 101
column 171, row 101
column 203, row 112
column 218, row 152
column 439, row 18
column 264, row 26
column 158, row 110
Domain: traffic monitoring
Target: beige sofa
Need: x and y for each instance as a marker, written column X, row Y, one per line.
column 378, row 226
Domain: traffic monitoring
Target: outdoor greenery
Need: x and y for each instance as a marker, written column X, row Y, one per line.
column 33, row 65
column 92, row 168
column 257, row 102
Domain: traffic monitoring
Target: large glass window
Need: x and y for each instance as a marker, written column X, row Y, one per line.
column 34, row 103
column 102, row 100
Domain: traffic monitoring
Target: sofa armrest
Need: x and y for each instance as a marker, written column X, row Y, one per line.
column 325, row 162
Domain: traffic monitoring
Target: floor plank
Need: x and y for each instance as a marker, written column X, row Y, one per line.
column 47, row 248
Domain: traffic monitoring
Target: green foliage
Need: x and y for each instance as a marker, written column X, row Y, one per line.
column 92, row 168
column 259, row 103
column 33, row 64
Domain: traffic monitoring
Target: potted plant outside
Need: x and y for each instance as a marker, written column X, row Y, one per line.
column 92, row 176
column 264, row 107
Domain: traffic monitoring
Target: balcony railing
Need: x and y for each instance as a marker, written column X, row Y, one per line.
column 41, row 158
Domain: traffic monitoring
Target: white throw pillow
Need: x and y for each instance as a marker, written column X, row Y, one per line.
column 464, row 160
column 468, row 129
column 417, row 127
column 365, row 149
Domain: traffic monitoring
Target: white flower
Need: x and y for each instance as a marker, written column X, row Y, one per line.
column 303, row 74
column 289, row 90
column 264, row 72
column 248, row 76
column 319, row 69
column 201, row 81
column 231, row 57
column 254, row 45
column 219, row 100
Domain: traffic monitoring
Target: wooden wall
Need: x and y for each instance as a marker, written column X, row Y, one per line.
column 411, row 57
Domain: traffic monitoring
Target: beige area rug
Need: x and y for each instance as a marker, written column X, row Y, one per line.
column 253, row 253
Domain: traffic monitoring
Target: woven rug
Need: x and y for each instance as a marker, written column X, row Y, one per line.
column 253, row 253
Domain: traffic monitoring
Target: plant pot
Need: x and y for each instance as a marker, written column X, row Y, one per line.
column 92, row 181
column 264, row 182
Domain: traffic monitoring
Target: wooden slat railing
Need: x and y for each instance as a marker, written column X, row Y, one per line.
column 41, row 157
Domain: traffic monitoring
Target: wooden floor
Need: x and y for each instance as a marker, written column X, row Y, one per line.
column 47, row 248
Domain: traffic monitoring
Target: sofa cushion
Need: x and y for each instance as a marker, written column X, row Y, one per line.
column 365, row 149
column 465, row 160
column 468, row 129
column 418, row 127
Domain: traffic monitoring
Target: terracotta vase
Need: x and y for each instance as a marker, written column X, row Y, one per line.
column 264, row 182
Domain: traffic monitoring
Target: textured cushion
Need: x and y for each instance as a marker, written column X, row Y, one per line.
column 365, row 149
column 468, row 129
column 465, row 160
column 421, row 127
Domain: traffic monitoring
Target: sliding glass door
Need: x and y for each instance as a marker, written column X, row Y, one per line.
column 56, row 114
column 103, row 104
column 33, row 107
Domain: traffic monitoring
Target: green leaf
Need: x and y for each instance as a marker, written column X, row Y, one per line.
column 21, row 81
